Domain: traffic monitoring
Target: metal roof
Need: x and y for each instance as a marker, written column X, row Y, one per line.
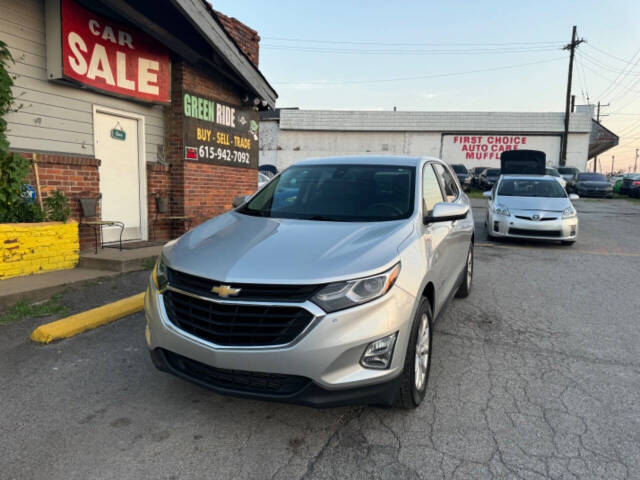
column 363, row 120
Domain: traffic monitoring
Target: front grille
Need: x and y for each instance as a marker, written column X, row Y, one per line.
column 235, row 324
column 248, row 291
column 543, row 219
column 535, row 233
column 237, row 380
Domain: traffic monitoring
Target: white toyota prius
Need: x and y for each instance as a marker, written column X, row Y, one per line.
column 533, row 207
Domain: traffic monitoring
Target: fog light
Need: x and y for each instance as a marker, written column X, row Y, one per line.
column 378, row 354
column 573, row 230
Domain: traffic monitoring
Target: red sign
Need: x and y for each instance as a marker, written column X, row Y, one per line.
column 480, row 147
column 112, row 57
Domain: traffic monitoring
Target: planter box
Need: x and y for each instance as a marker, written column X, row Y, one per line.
column 27, row 248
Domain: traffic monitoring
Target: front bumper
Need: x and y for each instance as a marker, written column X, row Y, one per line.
column 310, row 394
column 591, row 192
column 327, row 354
column 512, row 227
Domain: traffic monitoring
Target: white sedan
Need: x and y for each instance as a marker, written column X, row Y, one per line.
column 532, row 207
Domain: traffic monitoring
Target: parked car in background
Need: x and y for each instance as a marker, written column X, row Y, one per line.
column 630, row 185
column 326, row 299
column 593, row 185
column 552, row 172
column 464, row 176
column 262, row 180
column 475, row 176
column 569, row 174
column 489, row 177
column 533, row 207
column 613, row 179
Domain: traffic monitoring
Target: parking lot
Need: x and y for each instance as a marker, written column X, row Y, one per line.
column 535, row 375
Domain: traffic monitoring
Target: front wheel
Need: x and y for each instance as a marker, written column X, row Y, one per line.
column 465, row 287
column 417, row 362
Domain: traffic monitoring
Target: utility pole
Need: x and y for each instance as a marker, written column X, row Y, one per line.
column 572, row 48
column 635, row 164
column 613, row 158
column 598, row 120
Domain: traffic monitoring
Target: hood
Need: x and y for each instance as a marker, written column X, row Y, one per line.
column 530, row 162
column 534, row 203
column 245, row 249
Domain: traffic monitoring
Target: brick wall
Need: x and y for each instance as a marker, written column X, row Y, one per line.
column 200, row 190
column 246, row 38
column 76, row 177
column 27, row 248
column 158, row 186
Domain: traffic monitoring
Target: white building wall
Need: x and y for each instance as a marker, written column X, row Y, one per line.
column 302, row 134
column 52, row 117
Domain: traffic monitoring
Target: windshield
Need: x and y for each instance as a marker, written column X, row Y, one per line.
column 531, row 188
column 493, row 172
column 459, row 168
column 567, row 170
column 591, row 177
column 552, row 171
column 339, row 193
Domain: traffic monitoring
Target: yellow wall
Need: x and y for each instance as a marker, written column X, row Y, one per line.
column 27, row 248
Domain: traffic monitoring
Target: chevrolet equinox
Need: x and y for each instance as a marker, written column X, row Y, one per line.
column 321, row 288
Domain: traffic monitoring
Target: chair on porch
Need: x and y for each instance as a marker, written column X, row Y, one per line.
column 90, row 218
column 162, row 208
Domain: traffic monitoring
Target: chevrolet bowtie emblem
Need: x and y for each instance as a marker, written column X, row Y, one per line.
column 225, row 290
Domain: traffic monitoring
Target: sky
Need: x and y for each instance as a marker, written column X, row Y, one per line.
column 452, row 55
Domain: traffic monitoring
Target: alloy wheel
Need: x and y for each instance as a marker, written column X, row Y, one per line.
column 422, row 352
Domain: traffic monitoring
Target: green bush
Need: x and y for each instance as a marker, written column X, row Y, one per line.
column 57, row 207
column 14, row 169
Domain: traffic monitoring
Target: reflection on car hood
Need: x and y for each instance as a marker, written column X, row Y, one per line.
column 245, row 249
column 534, row 203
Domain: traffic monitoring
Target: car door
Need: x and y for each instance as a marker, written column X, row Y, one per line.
column 434, row 235
column 459, row 235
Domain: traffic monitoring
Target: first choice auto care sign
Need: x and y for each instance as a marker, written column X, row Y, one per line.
column 218, row 133
column 108, row 56
column 474, row 150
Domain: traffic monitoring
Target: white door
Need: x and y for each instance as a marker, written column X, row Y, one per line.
column 119, row 174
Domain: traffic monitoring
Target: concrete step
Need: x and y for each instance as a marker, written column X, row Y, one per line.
column 114, row 260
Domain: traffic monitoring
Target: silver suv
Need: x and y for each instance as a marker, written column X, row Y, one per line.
column 321, row 288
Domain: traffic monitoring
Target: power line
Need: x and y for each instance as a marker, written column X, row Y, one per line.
column 602, row 76
column 352, row 51
column 613, row 85
column 607, row 53
column 420, row 77
column 597, row 63
column 409, row 44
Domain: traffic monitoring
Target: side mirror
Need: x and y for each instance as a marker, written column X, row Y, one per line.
column 573, row 196
column 445, row 212
column 239, row 200
column 487, row 194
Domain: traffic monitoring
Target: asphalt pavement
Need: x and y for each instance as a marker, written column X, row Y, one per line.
column 535, row 375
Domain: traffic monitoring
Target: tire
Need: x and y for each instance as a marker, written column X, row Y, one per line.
column 568, row 243
column 465, row 287
column 409, row 394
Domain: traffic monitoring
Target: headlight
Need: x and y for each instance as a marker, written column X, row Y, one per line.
column 501, row 210
column 159, row 275
column 569, row 212
column 341, row 295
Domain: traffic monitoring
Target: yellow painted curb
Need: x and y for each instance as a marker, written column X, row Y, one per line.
column 75, row 324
